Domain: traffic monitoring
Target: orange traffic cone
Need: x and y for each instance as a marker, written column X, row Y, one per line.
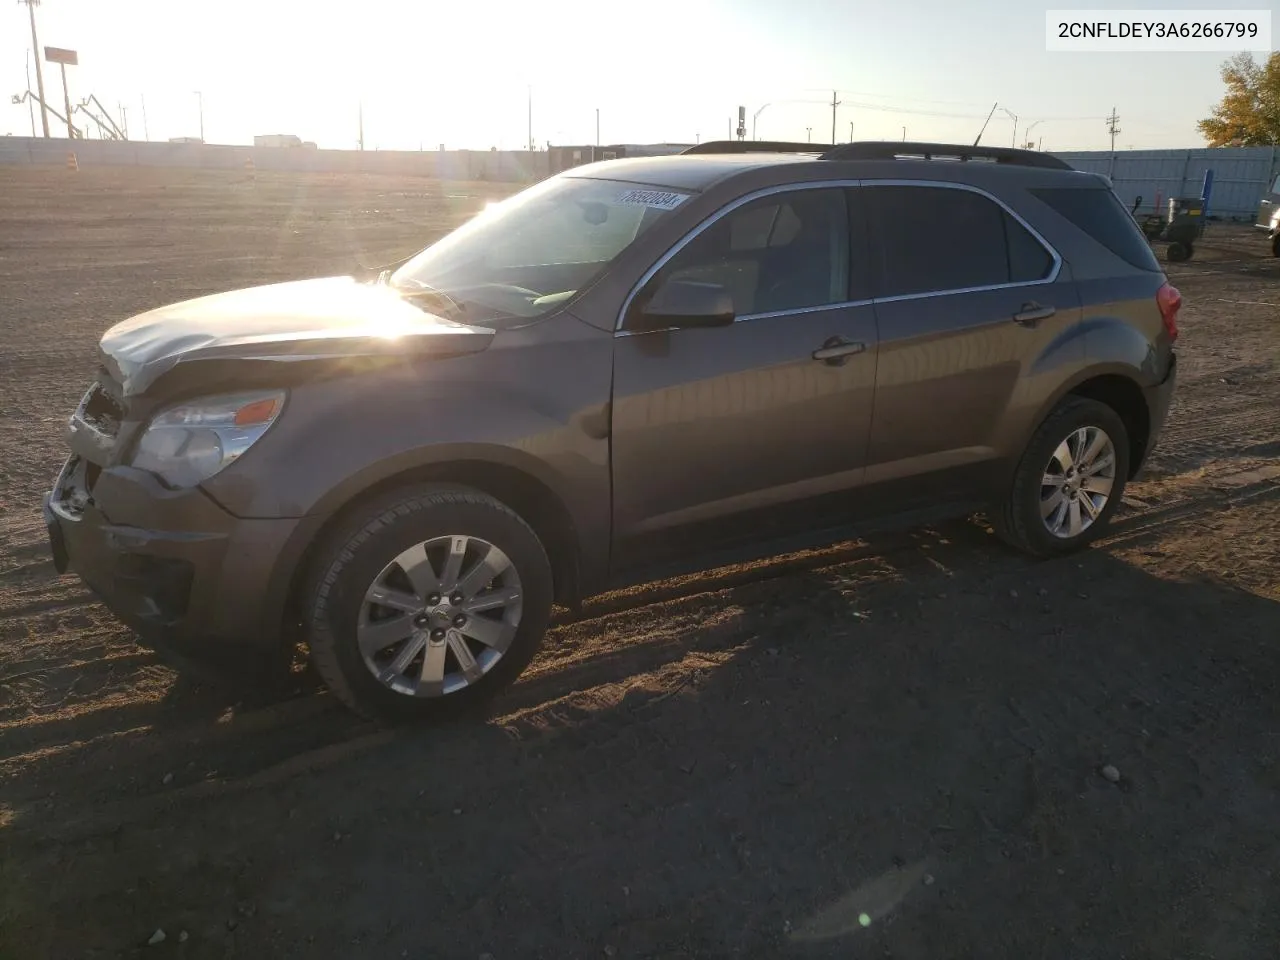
column 72, row 164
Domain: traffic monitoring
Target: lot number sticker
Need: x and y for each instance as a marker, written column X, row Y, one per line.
column 653, row 198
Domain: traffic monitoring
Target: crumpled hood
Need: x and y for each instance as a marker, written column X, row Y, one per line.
column 325, row 319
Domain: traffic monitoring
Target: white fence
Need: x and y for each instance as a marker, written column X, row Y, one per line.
column 1241, row 175
column 503, row 165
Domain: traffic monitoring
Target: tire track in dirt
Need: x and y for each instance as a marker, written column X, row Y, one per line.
column 631, row 649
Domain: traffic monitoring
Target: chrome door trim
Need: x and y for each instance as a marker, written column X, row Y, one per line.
column 843, row 183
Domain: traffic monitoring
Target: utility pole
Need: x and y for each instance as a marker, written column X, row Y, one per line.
column 530, row 92
column 904, row 134
column 851, row 131
column 360, row 121
column 200, row 99
column 834, row 103
column 124, row 119
column 146, row 133
column 597, row 126
column 1113, row 128
column 808, row 134
column 35, row 49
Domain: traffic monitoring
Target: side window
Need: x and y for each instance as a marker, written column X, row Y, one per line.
column 1098, row 212
column 782, row 252
column 1275, row 187
column 907, row 222
column 1028, row 259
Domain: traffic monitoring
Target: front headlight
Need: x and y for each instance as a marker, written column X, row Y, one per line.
column 189, row 443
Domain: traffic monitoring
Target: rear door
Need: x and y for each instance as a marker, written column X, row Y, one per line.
column 967, row 296
column 732, row 434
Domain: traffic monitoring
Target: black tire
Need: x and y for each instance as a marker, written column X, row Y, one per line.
column 1177, row 252
column 374, row 534
column 1018, row 520
column 1275, row 245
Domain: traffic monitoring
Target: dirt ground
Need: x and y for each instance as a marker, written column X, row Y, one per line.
column 891, row 748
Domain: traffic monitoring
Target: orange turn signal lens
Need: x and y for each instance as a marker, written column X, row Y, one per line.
column 260, row 411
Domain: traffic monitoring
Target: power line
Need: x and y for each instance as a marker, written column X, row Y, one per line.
column 883, row 108
column 893, row 108
column 884, row 96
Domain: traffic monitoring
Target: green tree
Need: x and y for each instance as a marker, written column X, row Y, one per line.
column 1249, row 113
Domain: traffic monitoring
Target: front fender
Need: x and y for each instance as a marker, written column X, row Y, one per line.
column 540, row 410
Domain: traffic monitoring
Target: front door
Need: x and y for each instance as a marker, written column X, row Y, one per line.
column 760, row 427
column 967, row 298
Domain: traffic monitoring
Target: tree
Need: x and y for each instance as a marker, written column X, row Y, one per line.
column 1249, row 113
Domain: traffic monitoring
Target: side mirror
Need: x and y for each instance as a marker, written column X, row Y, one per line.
column 685, row 303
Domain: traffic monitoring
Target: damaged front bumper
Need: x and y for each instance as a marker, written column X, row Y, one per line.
column 171, row 564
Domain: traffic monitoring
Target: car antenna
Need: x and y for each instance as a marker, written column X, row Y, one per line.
column 984, row 124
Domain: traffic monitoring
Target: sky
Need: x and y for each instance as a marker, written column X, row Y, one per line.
column 464, row 73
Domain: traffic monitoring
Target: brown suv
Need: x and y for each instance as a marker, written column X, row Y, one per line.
column 632, row 368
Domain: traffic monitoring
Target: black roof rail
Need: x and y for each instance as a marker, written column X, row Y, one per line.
column 757, row 146
column 893, row 150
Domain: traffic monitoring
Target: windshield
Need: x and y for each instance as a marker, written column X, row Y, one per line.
column 521, row 258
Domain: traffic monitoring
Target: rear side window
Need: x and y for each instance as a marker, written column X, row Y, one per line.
column 1028, row 259
column 1099, row 213
column 991, row 248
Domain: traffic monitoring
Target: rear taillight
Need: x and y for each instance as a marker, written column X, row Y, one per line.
column 1169, row 300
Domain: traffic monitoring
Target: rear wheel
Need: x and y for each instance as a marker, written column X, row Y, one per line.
column 1178, row 252
column 1069, row 481
column 1275, row 245
column 427, row 603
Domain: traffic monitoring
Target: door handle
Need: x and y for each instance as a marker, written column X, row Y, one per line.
column 836, row 350
column 1033, row 313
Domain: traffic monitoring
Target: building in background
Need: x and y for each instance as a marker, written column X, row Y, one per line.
column 565, row 157
column 278, row 140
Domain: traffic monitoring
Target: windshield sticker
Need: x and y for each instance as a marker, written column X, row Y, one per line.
column 653, row 198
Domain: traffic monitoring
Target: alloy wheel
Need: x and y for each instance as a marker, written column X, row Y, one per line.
column 1077, row 482
column 439, row 616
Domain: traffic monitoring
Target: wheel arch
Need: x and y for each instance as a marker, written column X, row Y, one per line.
column 515, row 484
column 1118, row 387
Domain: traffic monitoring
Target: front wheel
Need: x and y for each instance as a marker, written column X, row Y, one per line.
column 1069, row 481
column 427, row 602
